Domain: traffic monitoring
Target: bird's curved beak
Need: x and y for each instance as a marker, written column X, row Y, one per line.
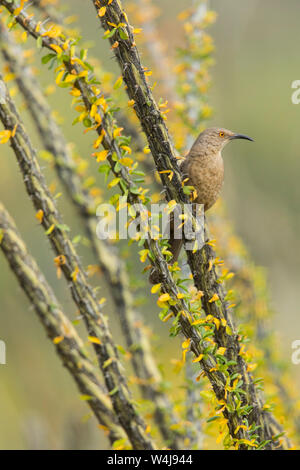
column 241, row 136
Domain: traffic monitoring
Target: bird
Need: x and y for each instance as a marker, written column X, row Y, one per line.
column 203, row 168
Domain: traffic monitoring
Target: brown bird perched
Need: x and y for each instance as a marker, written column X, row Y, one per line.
column 204, row 168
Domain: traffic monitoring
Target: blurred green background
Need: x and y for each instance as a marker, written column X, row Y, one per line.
column 256, row 62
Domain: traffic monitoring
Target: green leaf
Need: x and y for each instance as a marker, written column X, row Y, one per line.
column 39, row 42
column 188, row 189
column 47, row 58
column 118, row 443
column 118, row 83
column 87, row 122
column 85, row 397
column 89, row 66
column 76, row 120
column 121, row 349
column 134, row 190
column 110, row 34
column 63, row 227
column 107, row 363
column 214, row 418
column 117, row 167
column 114, row 391
column 123, row 186
column 104, row 169
column 123, row 34
column 76, row 239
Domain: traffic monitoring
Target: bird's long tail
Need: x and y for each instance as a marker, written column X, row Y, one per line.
column 175, row 246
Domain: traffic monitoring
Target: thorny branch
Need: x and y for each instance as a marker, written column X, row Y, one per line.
column 202, row 262
column 59, row 329
column 70, row 265
column 107, row 256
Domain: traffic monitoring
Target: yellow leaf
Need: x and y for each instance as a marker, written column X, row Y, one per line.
column 58, row 339
column 98, row 141
column 219, row 439
column 70, row 78
column 217, row 322
column 9, row 76
column 92, row 269
column 164, row 298
column 199, row 376
column 198, row 322
column 75, row 92
column 211, row 243
column 186, row 343
column 198, row 359
column 155, row 288
column 53, row 32
column 50, row 230
column 18, row 10
column 118, row 83
column 101, row 156
column 85, row 397
column 117, row 132
column 168, row 317
column 126, row 148
column 221, row 351
column 241, row 426
column 83, row 74
column 102, row 11
column 5, row 136
column 126, row 161
column 214, row 298
column 98, row 118
column 113, row 183
column 251, row 367
column 14, row 130
column 60, row 260
column 59, row 77
column 56, row 48
column 75, row 273
column 94, row 109
column 143, row 255
column 80, row 108
column 93, row 339
column 40, row 215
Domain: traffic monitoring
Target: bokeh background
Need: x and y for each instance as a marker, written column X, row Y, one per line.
column 256, row 62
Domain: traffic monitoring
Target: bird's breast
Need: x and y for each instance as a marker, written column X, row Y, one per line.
column 207, row 176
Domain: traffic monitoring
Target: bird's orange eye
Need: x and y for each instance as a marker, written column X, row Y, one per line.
column 221, row 134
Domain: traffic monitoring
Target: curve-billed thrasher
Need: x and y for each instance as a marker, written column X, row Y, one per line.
column 204, row 169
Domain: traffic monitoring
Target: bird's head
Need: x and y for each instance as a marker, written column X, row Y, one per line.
column 214, row 139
